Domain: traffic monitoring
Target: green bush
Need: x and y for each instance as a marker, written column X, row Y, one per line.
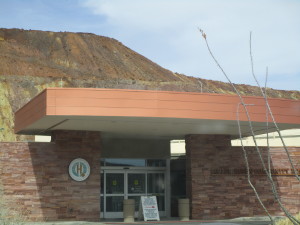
column 286, row 221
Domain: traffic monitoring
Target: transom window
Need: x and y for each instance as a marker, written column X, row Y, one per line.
column 133, row 162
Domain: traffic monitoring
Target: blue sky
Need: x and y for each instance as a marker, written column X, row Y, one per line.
column 165, row 31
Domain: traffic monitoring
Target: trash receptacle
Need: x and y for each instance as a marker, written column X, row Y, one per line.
column 128, row 210
column 184, row 209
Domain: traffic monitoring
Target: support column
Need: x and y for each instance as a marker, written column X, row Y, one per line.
column 79, row 200
column 200, row 154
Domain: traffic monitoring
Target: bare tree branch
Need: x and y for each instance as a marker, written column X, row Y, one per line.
column 242, row 102
column 270, row 111
column 247, row 164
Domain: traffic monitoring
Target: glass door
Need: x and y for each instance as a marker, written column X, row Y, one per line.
column 117, row 185
column 136, row 187
column 156, row 187
column 114, row 189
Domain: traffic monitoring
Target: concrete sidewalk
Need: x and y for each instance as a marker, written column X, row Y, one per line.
column 236, row 221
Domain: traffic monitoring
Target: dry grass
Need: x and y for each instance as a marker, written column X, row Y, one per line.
column 9, row 215
column 286, row 221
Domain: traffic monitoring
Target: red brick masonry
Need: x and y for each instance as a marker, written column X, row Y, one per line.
column 36, row 175
column 217, row 184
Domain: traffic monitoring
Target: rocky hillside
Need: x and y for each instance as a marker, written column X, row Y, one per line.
column 33, row 60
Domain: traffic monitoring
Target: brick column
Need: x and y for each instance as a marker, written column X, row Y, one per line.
column 75, row 200
column 200, row 151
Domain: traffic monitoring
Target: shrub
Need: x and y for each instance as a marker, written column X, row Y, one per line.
column 286, row 221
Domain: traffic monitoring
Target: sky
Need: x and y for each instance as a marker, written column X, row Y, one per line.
column 166, row 32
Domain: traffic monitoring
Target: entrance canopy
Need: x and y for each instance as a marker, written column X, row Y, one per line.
column 149, row 114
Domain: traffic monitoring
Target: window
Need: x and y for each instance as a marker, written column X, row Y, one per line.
column 134, row 162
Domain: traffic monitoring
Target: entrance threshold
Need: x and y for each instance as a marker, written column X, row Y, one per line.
column 164, row 220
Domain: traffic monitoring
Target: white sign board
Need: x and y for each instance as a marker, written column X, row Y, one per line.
column 149, row 206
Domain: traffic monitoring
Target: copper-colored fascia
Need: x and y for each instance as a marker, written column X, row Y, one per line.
column 144, row 103
column 32, row 111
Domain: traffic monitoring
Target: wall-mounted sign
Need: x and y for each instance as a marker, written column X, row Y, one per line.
column 79, row 169
column 254, row 171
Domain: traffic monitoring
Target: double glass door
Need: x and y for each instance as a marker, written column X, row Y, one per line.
column 117, row 185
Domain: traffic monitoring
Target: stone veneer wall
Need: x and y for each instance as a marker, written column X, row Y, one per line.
column 35, row 175
column 217, row 183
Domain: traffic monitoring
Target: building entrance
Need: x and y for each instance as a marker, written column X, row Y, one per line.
column 119, row 183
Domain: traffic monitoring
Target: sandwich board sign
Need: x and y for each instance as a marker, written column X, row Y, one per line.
column 148, row 208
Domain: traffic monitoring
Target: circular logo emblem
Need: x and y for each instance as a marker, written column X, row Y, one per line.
column 79, row 169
